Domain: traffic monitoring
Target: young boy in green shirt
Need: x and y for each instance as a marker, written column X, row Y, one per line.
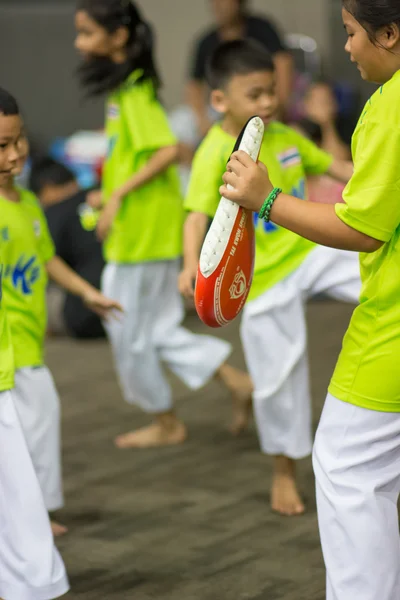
column 288, row 268
column 29, row 260
column 30, row 565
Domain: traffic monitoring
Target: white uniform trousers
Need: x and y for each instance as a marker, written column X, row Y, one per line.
column 150, row 333
column 38, row 406
column 274, row 336
column 30, row 566
column 357, row 467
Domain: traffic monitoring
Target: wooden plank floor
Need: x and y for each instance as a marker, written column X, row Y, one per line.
column 187, row 523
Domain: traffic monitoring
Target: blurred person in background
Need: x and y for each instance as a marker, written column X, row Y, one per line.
column 323, row 124
column 141, row 226
column 322, row 121
column 72, row 225
column 234, row 21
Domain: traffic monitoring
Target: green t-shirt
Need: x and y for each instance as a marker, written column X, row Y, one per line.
column 148, row 226
column 6, row 350
column 26, row 248
column 367, row 372
column 290, row 158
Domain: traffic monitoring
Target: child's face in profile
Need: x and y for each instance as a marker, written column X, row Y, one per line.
column 246, row 96
column 93, row 40
column 14, row 147
column 370, row 57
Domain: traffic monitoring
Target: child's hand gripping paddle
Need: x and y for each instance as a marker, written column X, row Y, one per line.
column 226, row 263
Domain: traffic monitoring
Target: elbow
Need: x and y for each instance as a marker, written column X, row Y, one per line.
column 168, row 156
column 370, row 245
column 174, row 154
column 196, row 220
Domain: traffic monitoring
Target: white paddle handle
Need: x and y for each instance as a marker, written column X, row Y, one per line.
column 221, row 228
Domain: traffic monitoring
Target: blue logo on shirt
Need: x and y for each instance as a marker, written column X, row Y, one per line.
column 111, row 145
column 24, row 274
column 300, row 190
column 5, row 234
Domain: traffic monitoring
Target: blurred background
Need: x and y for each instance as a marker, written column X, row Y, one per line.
column 36, row 37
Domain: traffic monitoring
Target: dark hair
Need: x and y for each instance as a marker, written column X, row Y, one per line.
column 100, row 74
column 8, row 104
column 238, row 57
column 374, row 14
column 47, row 171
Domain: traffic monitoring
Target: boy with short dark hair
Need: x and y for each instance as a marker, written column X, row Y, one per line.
column 288, row 268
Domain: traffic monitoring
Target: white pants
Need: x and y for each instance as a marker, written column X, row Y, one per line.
column 274, row 336
column 38, row 406
column 150, row 333
column 357, row 468
column 30, row 566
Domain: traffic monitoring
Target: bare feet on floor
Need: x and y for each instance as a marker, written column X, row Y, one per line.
column 241, row 413
column 58, row 529
column 285, row 497
column 153, row 436
column 241, row 387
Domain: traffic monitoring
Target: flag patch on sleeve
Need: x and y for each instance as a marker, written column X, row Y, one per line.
column 289, row 158
column 113, row 111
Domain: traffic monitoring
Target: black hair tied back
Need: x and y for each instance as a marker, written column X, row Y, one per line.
column 374, row 14
column 100, row 74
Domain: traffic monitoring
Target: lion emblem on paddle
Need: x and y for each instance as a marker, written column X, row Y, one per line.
column 239, row 286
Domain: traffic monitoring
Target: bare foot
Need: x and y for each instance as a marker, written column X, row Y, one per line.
column 241, row 413
column 152, row 436
column 58, row 529
column 241, row 387
column 285, row 497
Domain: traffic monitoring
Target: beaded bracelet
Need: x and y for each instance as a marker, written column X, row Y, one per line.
column 266, row 207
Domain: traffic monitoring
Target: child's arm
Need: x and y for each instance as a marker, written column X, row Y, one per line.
column 193, row 237
column 316, row 222
column 65, row 277
column 342, row 170
column 158, row 163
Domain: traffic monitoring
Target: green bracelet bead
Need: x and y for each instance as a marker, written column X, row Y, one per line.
column 267, row 206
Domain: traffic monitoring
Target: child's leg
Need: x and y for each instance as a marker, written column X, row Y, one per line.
column 195, row 359
column 30, row 566
column 38, row 408
column 138, row 366
column 149, row 333
column 274, row 340
column 357, row 467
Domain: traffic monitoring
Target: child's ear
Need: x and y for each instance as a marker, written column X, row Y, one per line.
column 120, row 38
column 390, row 36
column 218, row 101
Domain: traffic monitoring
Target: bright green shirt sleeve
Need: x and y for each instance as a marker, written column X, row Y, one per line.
column 315, row 161
column 206, row 176
column 372, row 197
column 151, row 131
